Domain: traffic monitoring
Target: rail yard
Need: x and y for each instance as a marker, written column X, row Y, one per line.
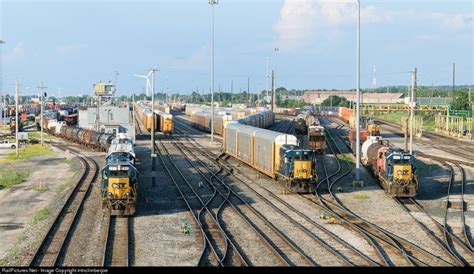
column 265, row 193
column 290, row 134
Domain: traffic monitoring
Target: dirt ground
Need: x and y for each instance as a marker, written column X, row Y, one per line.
column 28, row 207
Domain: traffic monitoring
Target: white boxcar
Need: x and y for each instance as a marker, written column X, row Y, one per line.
column 267, row 150
column 245, row 137
column 230, row 138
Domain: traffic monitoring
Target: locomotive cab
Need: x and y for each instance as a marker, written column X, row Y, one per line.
column 402, row 174
column 373, row 128
column 119, row 188
column 298, row 168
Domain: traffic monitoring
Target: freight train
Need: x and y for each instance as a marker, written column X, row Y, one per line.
column 373, row 128
column 394, row 168
column 86, row 137
column 202, row 120
column 119, row 177
column 317, row 138
column 300, row 124
column 274, row 154
column 163, row 121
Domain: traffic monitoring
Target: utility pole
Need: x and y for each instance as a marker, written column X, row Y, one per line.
column 357, row 173
column 248, row 91
column 268, row 77
column 469, row 95
column 42, row 87
column 153, row 155
column 231, row 92
column 4, row 106
column 412, row 107
column 16, row 117
column 454, row 78
column 133, row 108
column 273, row 90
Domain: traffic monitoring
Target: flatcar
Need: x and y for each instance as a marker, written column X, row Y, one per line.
column 317, row 138
column 261, row 149
column 394, row 168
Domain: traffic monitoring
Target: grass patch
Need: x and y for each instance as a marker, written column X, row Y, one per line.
column 397, row 115
column 41, row 215
column 348, row 158
column 361, row 197
column 26, row 153
column 9, row 178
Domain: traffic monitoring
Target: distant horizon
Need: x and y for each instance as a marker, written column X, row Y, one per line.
column 71, row 44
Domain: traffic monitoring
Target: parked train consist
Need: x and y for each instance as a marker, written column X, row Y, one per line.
column 317, row 138
column 89, row 138
column 163, row 121
column 202, row 120
column 272, row 153
column 373, row 128
column 119, row 177
column 393, row 167
column 300, row 124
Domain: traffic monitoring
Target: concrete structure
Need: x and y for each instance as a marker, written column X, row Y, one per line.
column 317, row 97
column 113, row 119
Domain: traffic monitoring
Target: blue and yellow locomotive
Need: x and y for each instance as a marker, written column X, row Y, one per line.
column 119, row 178
column 298, row 168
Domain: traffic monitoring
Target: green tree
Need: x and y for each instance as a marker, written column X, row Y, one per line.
column 461, row 102
column 336, row 101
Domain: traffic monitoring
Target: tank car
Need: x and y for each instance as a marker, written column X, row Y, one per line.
column 394, row 168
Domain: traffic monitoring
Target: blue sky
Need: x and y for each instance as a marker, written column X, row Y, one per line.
column 73, row 44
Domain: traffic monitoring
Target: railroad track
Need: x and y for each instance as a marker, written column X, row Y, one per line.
column 347, row 254
column 215, row 241
column 116, row 241
column 50, row 251
column 280, row 245
column 433, row 229
column 395, row 129
column 402, row 251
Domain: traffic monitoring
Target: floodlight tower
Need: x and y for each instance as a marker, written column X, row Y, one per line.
column 212, row 3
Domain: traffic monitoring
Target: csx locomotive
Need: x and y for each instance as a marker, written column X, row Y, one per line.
column 394, row 168
column 119, row 177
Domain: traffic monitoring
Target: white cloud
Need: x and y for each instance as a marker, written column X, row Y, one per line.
column 301, row 20
column 16, row 53
column 457, row 21
column 197, row 61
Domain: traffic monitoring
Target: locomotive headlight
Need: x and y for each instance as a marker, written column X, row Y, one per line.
column 110, row 194
column 127, row 194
